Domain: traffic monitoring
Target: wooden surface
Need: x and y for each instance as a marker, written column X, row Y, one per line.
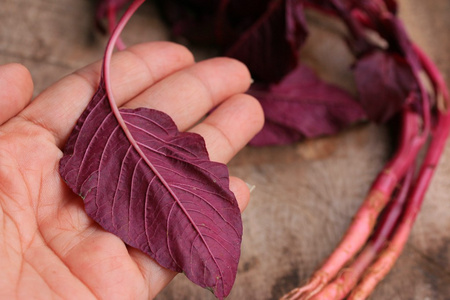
column 305, row 193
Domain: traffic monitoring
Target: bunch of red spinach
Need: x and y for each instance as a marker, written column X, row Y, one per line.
column 266, row 35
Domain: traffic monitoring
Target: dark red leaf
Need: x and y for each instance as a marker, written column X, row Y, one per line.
column 211, row 22
column 192, row 19
column 246, row 30
column 270, row 46
column 179, row 210
column 384, row 81
column 302, row 105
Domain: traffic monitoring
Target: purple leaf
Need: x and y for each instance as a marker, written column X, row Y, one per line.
column 181, row 213
column 282, row 24
column 384, row 82
column 302, row 105
column 246, row 30
column 153, row 186
column 191, row 19
column 218, row 22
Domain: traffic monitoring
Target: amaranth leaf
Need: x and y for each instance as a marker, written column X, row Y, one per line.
column 283, row 24
column 182, row 213
column 154, row 187
column 384, row 81
column 301, row 105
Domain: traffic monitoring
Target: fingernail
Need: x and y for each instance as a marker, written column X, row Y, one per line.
column 252, row 80
column 251, row 187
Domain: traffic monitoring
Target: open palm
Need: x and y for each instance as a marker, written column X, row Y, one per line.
column 49, row 247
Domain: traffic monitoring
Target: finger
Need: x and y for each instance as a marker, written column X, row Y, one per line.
column 241, row 190
column 16, row 89
column 132, row 71
column 158, row 277
column 231, row 126
column 189, row 94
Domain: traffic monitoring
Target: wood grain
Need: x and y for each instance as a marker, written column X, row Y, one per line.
column 305, row 194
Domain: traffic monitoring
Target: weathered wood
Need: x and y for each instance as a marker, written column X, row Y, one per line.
column 305, row 194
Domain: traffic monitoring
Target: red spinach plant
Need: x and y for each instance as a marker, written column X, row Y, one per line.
column 153, row 186
column 266, row 35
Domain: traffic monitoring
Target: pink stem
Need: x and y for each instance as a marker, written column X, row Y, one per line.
column 432, row 71
column 349, row 276
column 412, row 141
column 365, row 219
column 388, row 257
column 379, row 195
column 106, row 71
column 392, row 214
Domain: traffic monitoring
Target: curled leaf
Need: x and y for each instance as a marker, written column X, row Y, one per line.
column 384, row 82
column 282, row 24
column 301, row 105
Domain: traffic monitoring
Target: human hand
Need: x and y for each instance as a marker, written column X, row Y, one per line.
column 49, row 247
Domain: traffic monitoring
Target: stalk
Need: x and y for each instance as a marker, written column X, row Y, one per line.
column 364, row 221
column 388, row 257
column 436, row 78
column 349, row 276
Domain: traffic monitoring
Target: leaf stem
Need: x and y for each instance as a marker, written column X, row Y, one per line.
column 107, row 64
column 105, row 73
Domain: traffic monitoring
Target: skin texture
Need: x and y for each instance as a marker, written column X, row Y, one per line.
column 49, row 247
